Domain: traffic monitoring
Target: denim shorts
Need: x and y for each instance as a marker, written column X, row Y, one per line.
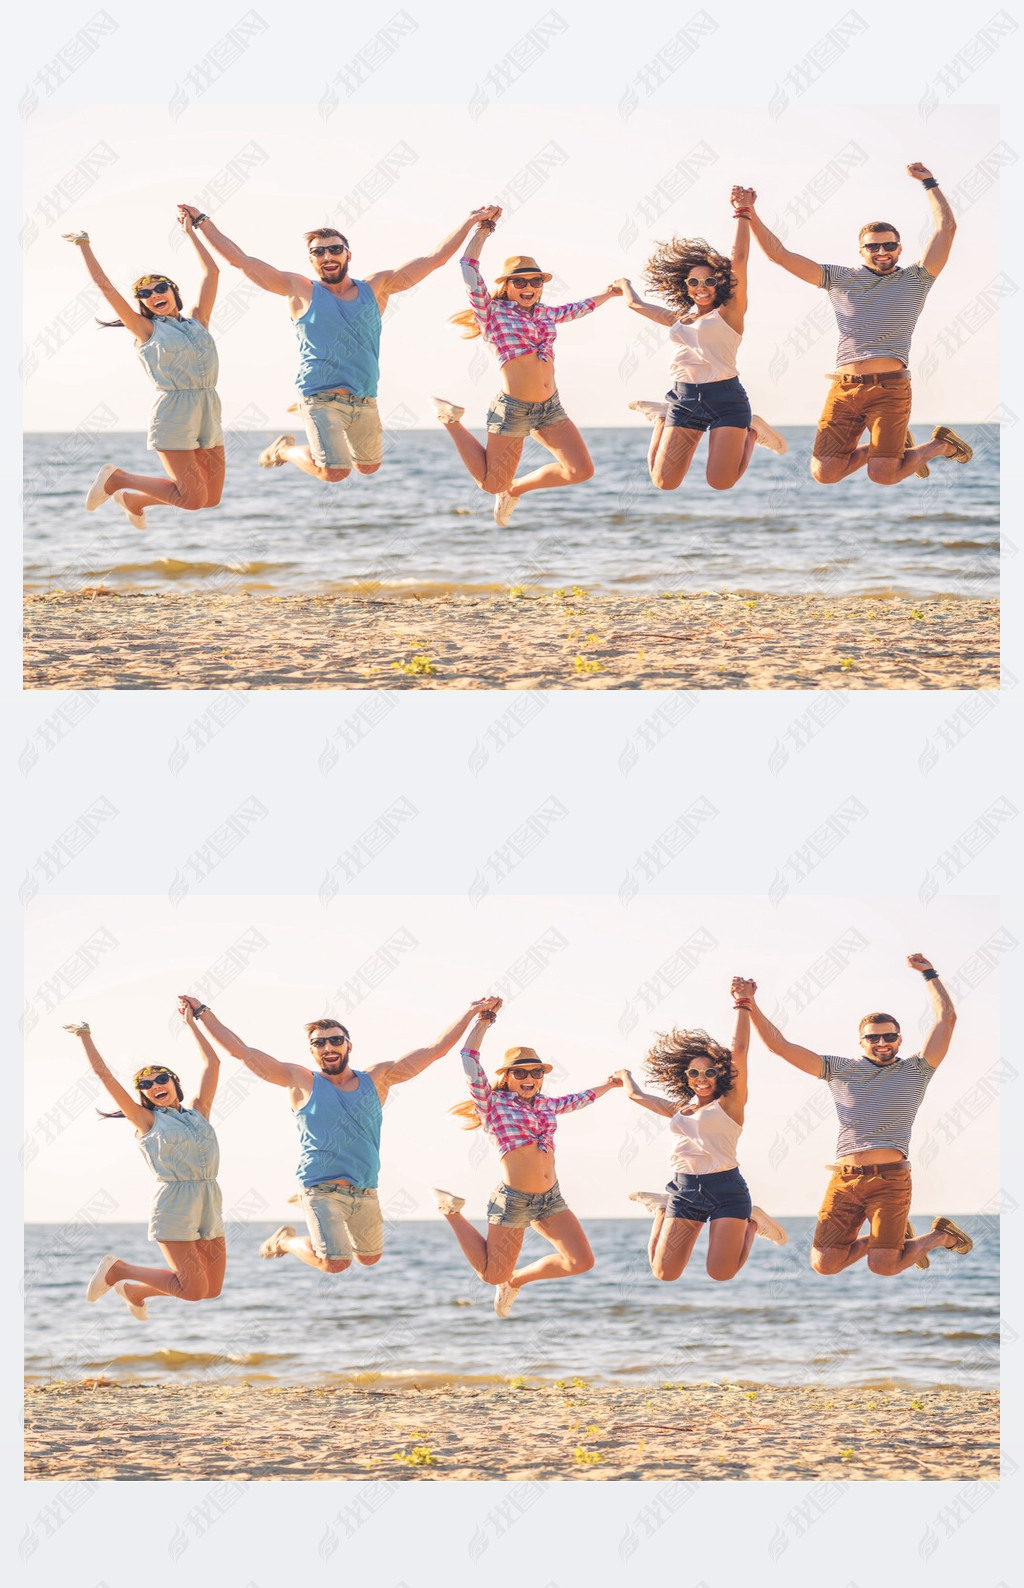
column 517, row 1209
column 182, row 421
column 341, row 429
column 343, row 1219
column 715, row 404
column 510, row 416
column 722, row 1195
column 186, row 1210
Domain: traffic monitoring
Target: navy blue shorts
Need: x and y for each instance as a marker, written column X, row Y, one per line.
column 700, row 1197
column 709, row 407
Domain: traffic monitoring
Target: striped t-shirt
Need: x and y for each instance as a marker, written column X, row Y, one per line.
column 876, row 1103
column 876, row 314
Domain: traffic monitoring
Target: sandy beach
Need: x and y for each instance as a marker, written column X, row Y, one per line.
column 430, row 639
column 513, row 1430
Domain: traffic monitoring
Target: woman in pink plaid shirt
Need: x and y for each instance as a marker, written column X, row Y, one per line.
column 521, row 1122
column 520, row 330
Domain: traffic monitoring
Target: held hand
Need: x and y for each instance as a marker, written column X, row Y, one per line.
column 185, row 1000
column 81, row 1028
column 743, row 198
column 919, row 963
column 187, row 214
column 75, row 237
column 742, row 989
column 614, row 289
column 919, row 172
column 486, row 217
column 615, row 1079
column 187, row 1012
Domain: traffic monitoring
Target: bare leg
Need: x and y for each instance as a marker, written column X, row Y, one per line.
column 729, row 1243
column 729, row 452
column 652, row 1244
column 572, row 1254
column 303, row 459
column 301, row 1247
column 829, row 471
column 185, row 1277
column 676, row 1240
column 890, row 471
column 493, row 467
column 833, row 1259
column 894, row 1259
column 493, row 1256
column 572, row 463
column 187, row 484
column 670, row 463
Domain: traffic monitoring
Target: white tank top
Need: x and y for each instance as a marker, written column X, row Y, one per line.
column 705, row 1142
column 704, row 349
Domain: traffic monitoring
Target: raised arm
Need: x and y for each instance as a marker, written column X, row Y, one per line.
column 657, row 1105
column 137, row 323
column 210, row 1073
column 209, row 271
column 573, row 1100
column 740, row 1049
column 743, row 199
column 743, row 991
column 386, row 282
column 295, row 1076
column 384, row 1076
column 941, row 241
column 131, row 1108
column 285, row 283
column 734, row 311
column 650, row 311
column 936, row 1043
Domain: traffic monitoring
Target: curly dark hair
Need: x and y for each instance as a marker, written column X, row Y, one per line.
column 675, row 1051
column 667, row 269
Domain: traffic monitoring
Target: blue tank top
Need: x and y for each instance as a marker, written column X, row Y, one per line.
column 339, row 1133
column 339, row 343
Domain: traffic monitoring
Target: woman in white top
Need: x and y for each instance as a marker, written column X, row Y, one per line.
column 707, row 1092
column 707, row 297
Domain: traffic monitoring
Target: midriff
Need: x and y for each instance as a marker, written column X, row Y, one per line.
column 530, row 380
column 527, row 1168
column 871, row 366
column 873, row 1155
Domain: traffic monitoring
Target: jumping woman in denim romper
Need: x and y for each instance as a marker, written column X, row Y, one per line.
column 707, row 297
column 180, row 357
column 520, row 330
column 180, row 1147
column 707, row 1087
column 521, row 1123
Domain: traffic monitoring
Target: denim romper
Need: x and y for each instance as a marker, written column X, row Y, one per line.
column 180, row 359
column 181, row 1149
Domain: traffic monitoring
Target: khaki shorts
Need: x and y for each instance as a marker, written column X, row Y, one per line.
column 343, row 1220
column 880, row 406
column 882, row 1197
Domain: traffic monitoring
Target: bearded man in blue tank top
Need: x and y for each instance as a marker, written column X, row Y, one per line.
column 337, row 320
column 877, row 1097
column 338, row 1111
column 876, row 305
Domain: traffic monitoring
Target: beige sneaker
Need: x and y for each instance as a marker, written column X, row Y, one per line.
column 447, row 1201
column 651, row 411
column 653, row 1201
column 270, row 457
column 767, row 1227
column 447, row 412
column 924, row 1261
column 136, row 520
column 504, row 506
column 962, row 1243
column 137, row 1309
column 964, row 452
column 272, row 1247
column 504, row 1296
column 767, row 437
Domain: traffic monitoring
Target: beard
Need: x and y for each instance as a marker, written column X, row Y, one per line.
column 338, row 274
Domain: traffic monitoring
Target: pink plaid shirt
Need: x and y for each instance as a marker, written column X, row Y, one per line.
column 517, row 1121
column 511, row 331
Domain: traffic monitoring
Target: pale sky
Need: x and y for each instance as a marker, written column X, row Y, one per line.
column 578, row 975
column 587, row 191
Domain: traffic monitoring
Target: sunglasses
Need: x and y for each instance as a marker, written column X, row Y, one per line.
column 154, row 1080
column 148, row 292
column 881, row 1036
column 524, row 1075
column 696, row 1074
column 699, row 281
column 525, row 281
column 327, row 1042
column 880, row 248
column 329, row 248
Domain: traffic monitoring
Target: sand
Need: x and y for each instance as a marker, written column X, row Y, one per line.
column 100, row 639
column 514, row 1430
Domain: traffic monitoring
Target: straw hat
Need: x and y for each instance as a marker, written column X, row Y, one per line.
column 521, row 1056
column 522, row 264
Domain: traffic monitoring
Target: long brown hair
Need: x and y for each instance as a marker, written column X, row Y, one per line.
column 467, row 317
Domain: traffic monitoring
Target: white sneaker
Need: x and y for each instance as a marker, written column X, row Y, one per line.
column 447, row 412
column 653, row 1201
column 504, row 1296
column 651, row 411
column 97, row 1285
column 270, row 457
column 136, row 520
column 504, row 507
column 137, row 1309
column 767, row 437
column 447, row 1201
column 98, row 493
column 768, row 1228
column 272, row 1247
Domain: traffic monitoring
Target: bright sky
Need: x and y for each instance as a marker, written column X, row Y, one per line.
column 587, row 983
column 586, row 190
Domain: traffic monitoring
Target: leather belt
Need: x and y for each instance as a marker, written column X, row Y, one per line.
column 881, row 378
column 868, row 1168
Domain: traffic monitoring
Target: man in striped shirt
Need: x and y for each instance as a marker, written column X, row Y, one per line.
column 876, row 304
column 877, row 1097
